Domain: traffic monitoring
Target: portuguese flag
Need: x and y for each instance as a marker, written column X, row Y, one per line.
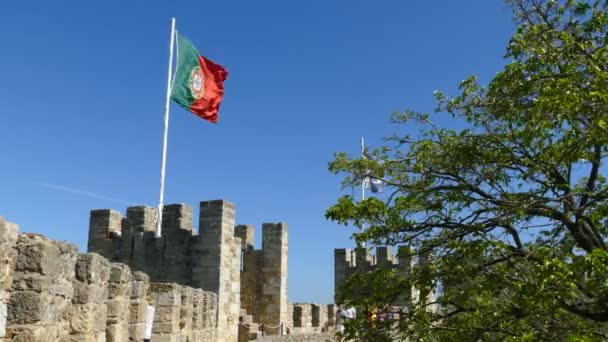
column 199, row 83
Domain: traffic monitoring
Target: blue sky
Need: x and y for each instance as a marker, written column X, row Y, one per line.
column 82, row 94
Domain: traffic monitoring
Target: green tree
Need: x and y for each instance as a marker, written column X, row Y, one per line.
column 512, row 208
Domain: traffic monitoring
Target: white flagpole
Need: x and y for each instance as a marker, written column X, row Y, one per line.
column 159, row 217
column 363, row 184
column 363, row 179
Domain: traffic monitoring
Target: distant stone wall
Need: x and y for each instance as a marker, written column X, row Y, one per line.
column 361, row 260
column 310, row 318
column 49, row 292
column 317, row 337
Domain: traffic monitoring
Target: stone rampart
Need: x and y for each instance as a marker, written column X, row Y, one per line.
column 264, row 275
column 49, row 292
column 8, row 253
column 201, row 284
column 308, row 318
column 220, row 259
column 361, row 260
column 314, row 337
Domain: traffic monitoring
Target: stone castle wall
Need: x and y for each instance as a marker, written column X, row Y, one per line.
column 311, row 318
column 303, row 319
column 264, row 275
column 50, row 292
column 313, row 337
column 202, row 285
column 220, row 259
column 361, row 260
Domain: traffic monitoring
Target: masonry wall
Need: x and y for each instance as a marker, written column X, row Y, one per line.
column 216, row 263
column 209, row 261
column 264, row 275
column 361, row 260
column 250, row 276
column 8, row 253
column 220, row 259
column 314, row 337
column 52, row 293
column 311, row 318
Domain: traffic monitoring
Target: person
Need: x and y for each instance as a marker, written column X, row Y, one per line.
column 340, row 315
column 351, row 313
column 149, row 316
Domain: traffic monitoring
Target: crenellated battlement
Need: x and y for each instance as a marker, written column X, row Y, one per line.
column 221, row 258
column 174, row 256
column 50, row 292
column 264, row 273
column 361, row 260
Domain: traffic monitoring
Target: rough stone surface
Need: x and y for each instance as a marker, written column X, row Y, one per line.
column 264, row 276
column 84, row 297
column 41, row 295
column 205, row 287
column 315, row 337
column 220, row 259
column 361, row 260
column 312, row 318
column 8, row 253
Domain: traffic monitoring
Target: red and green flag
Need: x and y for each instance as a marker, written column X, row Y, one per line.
column 199, row 83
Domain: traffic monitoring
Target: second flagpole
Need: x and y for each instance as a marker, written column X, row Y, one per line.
column 363, row 182
column 364, row 178
column 159, row 217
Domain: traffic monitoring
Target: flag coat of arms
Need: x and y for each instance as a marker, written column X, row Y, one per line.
column 198, row 85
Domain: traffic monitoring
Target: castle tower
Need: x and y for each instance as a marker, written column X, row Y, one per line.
column 273, row 291
column 217, row 264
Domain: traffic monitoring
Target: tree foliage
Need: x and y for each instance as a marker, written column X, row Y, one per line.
column 512, row 207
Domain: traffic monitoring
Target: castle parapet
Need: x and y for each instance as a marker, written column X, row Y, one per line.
column 310, row 318
column 52, row 293
column 264, row 275
column 348, row 262
column 204, row 261
column 221, row 258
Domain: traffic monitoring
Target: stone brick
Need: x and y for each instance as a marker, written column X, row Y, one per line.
column 92, row 268
column 141, row 219
column 116, row 333
column 36, row 256
column 165, row 327
column 31, row 281
column 82, row 320
column 177, row 217
column 26, row 307
column 103, row 222
column 119, row 273
column 246, row 234
column 8, row 231
column 136, row 332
